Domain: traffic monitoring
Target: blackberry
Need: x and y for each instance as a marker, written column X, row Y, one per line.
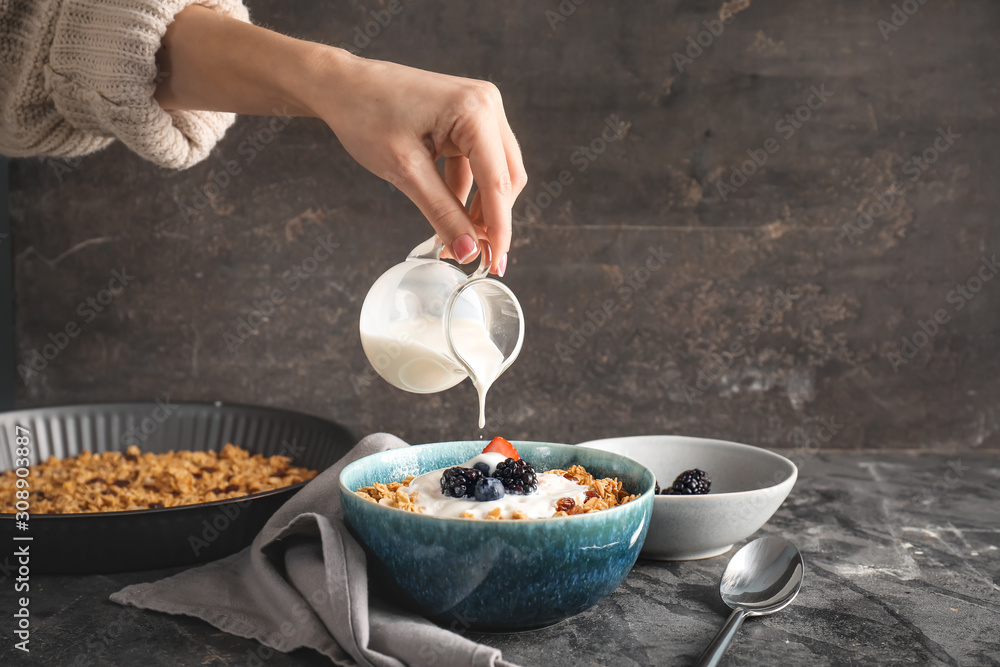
column 482, row 467
column 690, row 483
column 489, row 488
column 517, row 476
column 458, row 482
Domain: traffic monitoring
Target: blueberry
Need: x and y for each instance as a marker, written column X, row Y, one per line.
column 482, row 467
column 489, row 488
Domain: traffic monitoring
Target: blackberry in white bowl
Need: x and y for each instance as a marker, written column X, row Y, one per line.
column 748, row 485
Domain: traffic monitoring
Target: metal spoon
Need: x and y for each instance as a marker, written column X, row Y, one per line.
column 762, row 578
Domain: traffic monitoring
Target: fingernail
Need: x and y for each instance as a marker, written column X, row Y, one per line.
column 502, row 266
column 464, row 248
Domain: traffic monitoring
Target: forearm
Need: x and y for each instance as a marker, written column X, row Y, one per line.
column 212, row 62
column 395, row 120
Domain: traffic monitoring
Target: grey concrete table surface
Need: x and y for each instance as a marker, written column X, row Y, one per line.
column 902, row 554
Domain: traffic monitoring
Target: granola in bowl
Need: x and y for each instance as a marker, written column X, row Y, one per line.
column 497, row 484
column 498, row 575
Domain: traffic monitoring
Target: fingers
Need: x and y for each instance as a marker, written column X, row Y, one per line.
column 515, row 163
column 477, row 135
column 497, row 167
column 518, row 175
column 476, row 213
column 495, row 193
column 458, row 176
column 419, row 179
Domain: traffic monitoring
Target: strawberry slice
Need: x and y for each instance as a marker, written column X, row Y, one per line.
column 499, row 445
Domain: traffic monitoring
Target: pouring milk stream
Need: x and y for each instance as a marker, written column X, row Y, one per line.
column 426, row 326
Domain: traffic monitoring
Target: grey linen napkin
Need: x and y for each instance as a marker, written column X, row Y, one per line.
column 303, row 583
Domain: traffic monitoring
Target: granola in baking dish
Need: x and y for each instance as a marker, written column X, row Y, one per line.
column 133, row 480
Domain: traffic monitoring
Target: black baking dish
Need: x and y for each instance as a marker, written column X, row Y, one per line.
column 154, row 538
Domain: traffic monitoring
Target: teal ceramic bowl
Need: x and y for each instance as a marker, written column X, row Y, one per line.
column 497, row 576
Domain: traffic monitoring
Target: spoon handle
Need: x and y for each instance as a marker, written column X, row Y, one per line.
column 713, row 654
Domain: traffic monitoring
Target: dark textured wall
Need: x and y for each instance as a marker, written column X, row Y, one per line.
column 772, row 320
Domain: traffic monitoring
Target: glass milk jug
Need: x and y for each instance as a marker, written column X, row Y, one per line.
column 426, row 325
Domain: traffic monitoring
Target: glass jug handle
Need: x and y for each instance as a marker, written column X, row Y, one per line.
column 433, row 247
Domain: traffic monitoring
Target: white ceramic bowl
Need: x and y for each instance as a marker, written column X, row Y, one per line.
column 748, row 486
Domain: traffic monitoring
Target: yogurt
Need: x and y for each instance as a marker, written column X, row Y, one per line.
column 539, row 505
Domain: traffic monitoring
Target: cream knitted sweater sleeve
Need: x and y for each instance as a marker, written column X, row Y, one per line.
column 77, row 74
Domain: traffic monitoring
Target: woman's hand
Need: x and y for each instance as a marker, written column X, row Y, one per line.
column 397, row 121
column 394, row 120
